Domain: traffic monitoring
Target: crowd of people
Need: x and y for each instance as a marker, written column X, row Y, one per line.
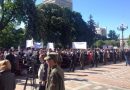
column 49, row 65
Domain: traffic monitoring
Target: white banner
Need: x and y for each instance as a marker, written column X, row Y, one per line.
column 115, row 47
column 110, row 47
column 38, row 45
column 105, row 47
column 19, row 48
column 29, row 43
column 79, row 45
column 50, row 46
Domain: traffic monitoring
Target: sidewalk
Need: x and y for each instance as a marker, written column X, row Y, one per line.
column 108, row 77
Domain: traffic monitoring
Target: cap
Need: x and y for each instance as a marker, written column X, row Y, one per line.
column 47, row 57
column 52, row 55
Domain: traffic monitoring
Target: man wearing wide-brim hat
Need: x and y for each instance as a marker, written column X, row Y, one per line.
column 55, row 80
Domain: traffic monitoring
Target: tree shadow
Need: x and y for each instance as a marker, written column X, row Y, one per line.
column 118, row 65
column 99, row 70
column 114, row 68
column 18, row 81
column 110, row 67
column 76, row 74
column 22, row 81
column 91, row 72
column 75, row 79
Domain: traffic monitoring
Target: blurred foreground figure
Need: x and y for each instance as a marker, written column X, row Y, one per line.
column 55, row 80
column 42, row 72
column 11, row 58
column 7, row 79
column 127, row 57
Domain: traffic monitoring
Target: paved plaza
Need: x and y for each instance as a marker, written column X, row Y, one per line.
column 107, row 77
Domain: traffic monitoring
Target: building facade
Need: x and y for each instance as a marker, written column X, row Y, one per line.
column 101, row 31
column 126, row 46
column 61, row 3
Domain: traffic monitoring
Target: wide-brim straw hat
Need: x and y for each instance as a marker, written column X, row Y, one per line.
column 5, row 65
column 51, row 56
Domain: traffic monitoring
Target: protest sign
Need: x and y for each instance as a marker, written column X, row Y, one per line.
column 50, row 46
column 79, row 45
column 29, row 43
column 38, row 45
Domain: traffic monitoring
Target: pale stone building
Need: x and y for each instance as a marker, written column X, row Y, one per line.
column 61, row 3
column 125, row 43
column 101, row 31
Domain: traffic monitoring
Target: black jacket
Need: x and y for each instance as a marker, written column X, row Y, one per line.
column 7, row 81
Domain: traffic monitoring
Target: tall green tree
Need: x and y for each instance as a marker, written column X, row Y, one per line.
column 16, row 11
column 99, row 43
column 27, row 13
column 112, row 35
column 61, row 25
column 10, row 36
column 81, row 32
column 92, row 31
column 50, row 22
column 7, row 10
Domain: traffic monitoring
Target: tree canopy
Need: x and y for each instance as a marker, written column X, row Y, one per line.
column 12, row 13
column 92, row 31
column 100, row 43
column 112, row 35
column 10, row 36
column 46, row 22
column 17, row 11
column 62, row 26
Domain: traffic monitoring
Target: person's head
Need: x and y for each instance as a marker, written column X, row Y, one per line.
column 1, row 57
column 5, row 65
column 41, row 58
column 10, row 51
column 51, row 59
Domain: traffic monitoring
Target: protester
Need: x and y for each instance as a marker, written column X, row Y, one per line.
column 96, row 57
column 72, row 61
column 55, row 80
column 127, row 57
column 82, row 59
column 11, row 58
column 105, row 57
column 90, row 58
column 42, row 72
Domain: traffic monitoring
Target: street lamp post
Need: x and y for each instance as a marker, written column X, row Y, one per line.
column 122, row 28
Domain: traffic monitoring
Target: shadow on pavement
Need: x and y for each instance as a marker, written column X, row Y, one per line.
column 91, row 72
column 22, row 80
column 75, row 79
column 76, row 74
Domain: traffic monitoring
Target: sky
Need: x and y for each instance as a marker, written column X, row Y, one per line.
column 108, row 13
